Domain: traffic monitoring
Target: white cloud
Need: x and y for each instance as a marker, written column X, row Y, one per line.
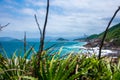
column 28, row 11
column 67, row 18
column 36, row 3
column 11, row 2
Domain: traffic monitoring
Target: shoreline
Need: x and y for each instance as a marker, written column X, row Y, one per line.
column 104, row 52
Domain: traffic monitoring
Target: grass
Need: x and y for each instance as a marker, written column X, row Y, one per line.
column 79, row 67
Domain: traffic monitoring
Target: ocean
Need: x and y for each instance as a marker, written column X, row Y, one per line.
column 67, row 47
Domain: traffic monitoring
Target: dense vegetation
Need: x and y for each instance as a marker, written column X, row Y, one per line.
column 94, row 36
column 80, row 39
column 54, row 67
column 113, row 32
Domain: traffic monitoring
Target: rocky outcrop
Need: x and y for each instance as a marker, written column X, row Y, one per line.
column 93, row 43
column 112, row 44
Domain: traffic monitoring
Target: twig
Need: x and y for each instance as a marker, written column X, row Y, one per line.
column 25, row 42
column 3, row 26
column 38, row 24
column 104, row 36
column 41, row 36
column 45, row 24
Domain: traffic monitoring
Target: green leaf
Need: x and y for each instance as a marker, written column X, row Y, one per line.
column 27, row 77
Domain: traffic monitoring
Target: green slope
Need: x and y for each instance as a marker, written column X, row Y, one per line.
column 93, row 36
column 113, row 33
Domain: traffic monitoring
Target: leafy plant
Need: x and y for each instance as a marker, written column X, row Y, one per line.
column 15, row 67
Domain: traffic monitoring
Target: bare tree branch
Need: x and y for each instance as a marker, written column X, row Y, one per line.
column 3, row 26
column 38, row 25
column 45, row 24
column 41, row 36
column 25, row 43
column 104, row 36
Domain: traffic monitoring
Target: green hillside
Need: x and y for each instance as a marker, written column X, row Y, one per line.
column 113, row 33
column 93, row 36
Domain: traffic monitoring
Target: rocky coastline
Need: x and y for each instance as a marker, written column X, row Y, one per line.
column 111, row 49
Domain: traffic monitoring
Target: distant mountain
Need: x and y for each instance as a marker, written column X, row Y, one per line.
column 62, row 39
column 5, row 38
column 80, row 39
column 8, row 39
column 38, row 39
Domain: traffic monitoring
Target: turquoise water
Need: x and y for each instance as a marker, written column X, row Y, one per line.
column 67, row 47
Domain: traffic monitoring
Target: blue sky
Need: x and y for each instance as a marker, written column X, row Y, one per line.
column 67, row 18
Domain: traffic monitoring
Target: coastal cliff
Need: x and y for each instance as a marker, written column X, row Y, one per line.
column 112, row 39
